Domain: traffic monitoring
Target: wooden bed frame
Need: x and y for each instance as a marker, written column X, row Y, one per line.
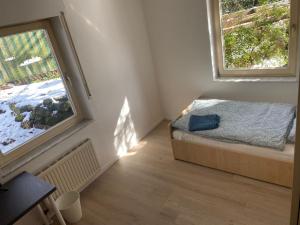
column 262, row 168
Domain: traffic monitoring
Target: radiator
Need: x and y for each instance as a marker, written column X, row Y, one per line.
column 74, row 171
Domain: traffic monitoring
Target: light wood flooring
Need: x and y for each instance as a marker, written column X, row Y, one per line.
column 149, row 187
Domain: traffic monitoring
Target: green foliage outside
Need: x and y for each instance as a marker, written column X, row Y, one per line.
column 16, row 49
column 255, row 35
column 229, row 6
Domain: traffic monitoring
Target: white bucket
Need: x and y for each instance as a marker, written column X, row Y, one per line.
column 69, row 206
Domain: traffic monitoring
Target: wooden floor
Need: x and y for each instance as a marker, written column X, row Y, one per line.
column 148, row 187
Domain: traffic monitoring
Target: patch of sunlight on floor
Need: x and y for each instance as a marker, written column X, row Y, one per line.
column 140, row 145
column 128, row 154
column 125, row 136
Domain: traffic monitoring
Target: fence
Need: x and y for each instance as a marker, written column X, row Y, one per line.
column 26, row 57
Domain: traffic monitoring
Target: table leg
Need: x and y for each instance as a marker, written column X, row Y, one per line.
column 56, row 211
column 44, row 217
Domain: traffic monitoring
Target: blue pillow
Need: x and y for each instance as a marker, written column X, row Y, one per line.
column 208, row 122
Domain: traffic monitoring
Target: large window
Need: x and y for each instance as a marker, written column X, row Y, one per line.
column 36, row 98
column 255, row 37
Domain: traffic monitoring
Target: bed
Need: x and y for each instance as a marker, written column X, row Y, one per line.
column 257, row 162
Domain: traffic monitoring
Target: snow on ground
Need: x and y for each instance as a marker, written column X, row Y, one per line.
column 272, row 63
column 32, row 94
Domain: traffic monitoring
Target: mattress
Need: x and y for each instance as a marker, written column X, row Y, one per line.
column 287, row 154
column 254, row 123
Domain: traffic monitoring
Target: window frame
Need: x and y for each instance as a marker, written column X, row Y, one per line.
column 58, row 129
column 218, row 54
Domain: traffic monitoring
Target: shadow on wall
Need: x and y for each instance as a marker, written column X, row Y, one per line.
column 125, row 136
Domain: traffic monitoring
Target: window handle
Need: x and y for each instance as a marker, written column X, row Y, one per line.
column 294, row 27
column 68, row 79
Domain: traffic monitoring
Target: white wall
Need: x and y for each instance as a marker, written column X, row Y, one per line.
column 180, row 42
column 112, row 44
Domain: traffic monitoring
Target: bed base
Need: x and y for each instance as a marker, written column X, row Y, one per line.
column 266, row 169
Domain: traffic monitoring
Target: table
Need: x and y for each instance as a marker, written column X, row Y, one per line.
column 24, row 192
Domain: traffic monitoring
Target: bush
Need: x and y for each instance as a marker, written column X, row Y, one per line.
column 26, row 108
column 265, row 38
column 48, row 103
column 19, row 118
column 229, row 6
column 50, row 113
column 15, row 109
column 44, row 115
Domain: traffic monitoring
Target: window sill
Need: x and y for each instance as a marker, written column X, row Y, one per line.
column 256, row 79
column 17, row 164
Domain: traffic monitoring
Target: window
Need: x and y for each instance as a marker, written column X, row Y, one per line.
column 255, row 38
column 36, row 99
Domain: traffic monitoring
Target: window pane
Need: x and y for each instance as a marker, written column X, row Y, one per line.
column 255, row 33
column 33, row 98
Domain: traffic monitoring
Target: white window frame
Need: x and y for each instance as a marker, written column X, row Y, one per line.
column 218, row 55
column 58, row 129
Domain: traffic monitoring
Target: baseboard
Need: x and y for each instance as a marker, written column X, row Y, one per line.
column 109, row 164
column 100, row 172
column 156, row 124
